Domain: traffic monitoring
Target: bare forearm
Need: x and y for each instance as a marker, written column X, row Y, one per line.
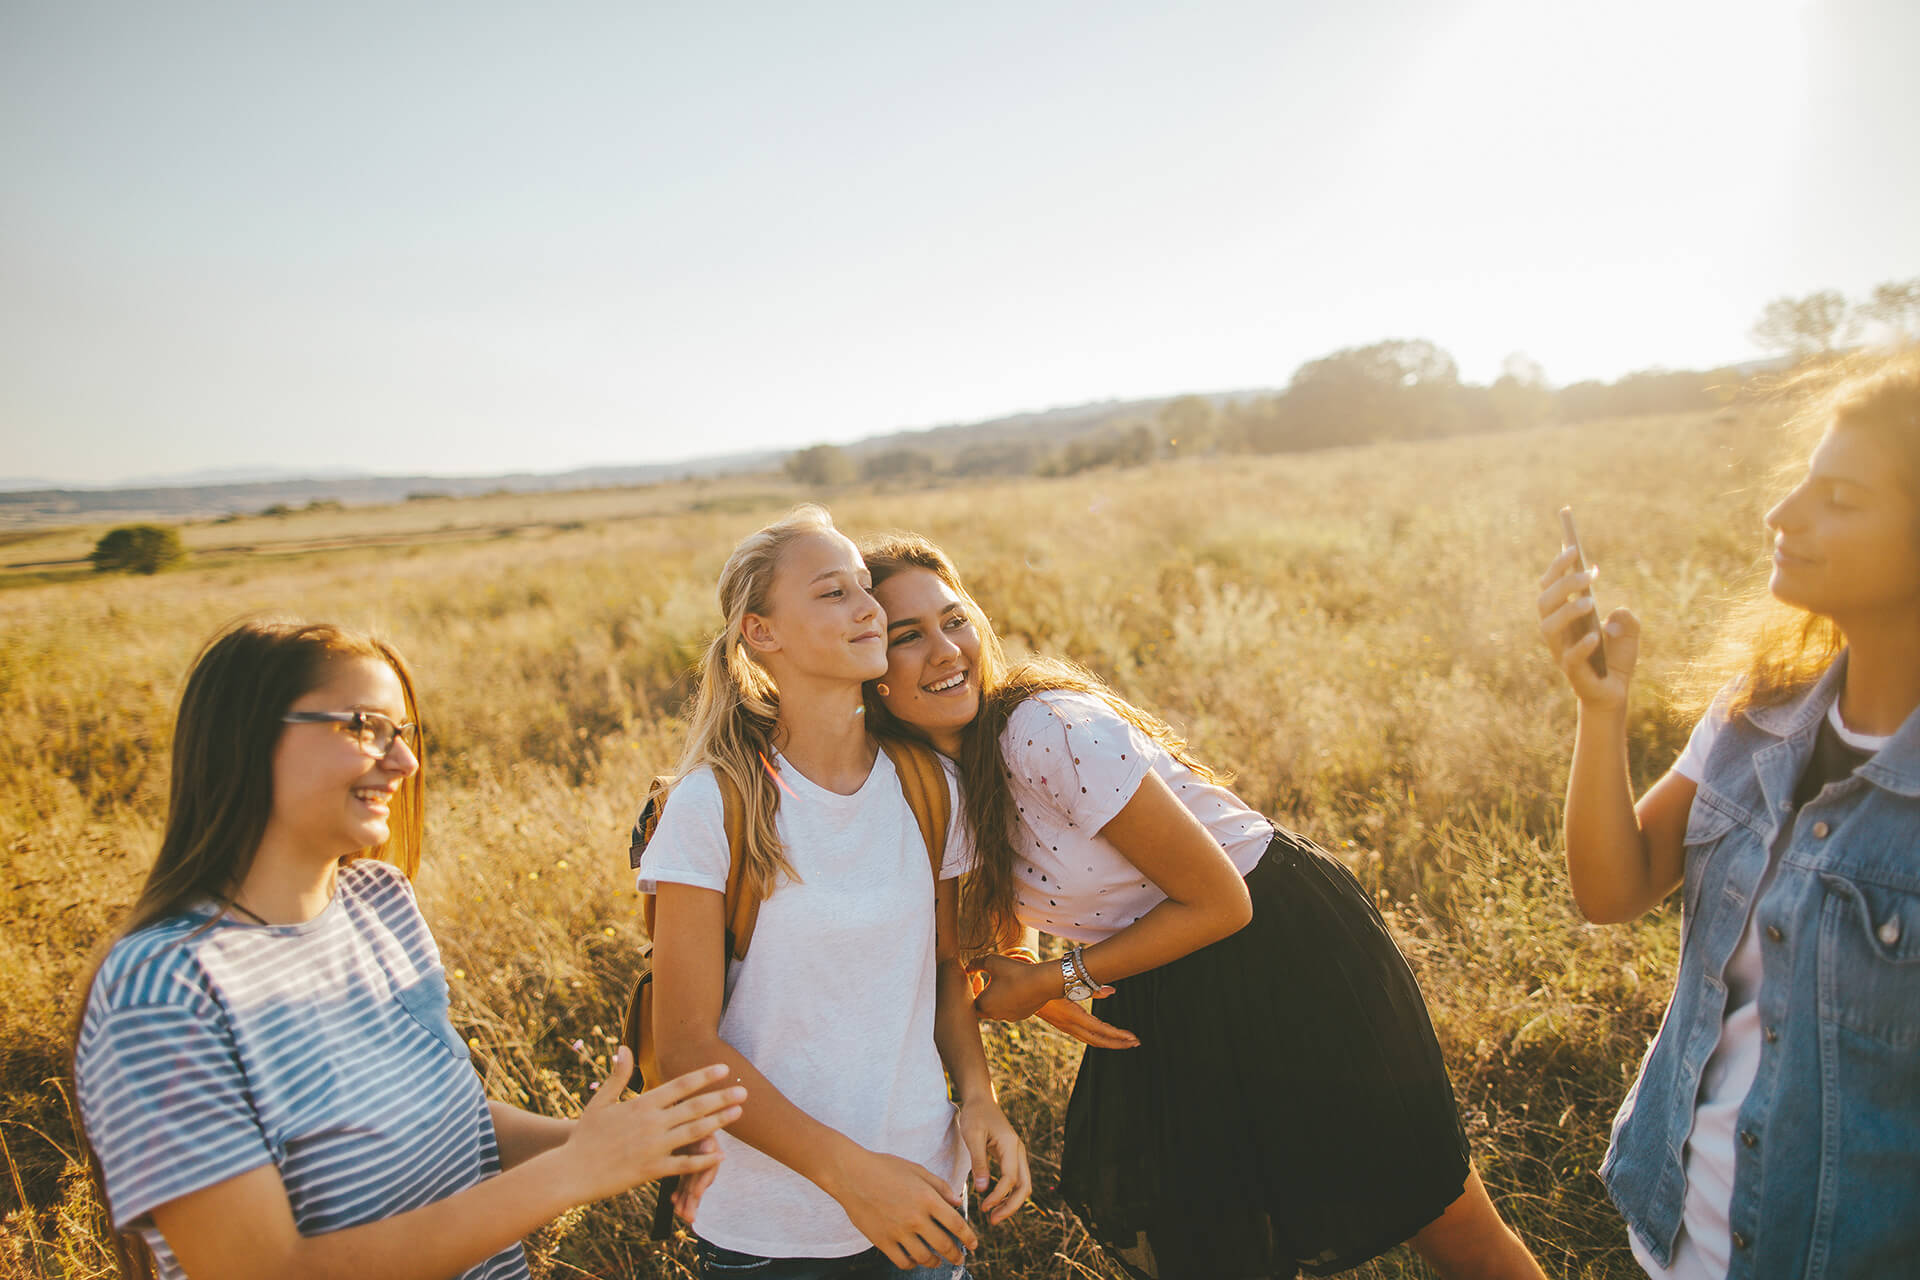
column 1167, row 932
column 1607, row 854
column 956, row 1033
column 442, row 1238
column 770, row 1122
column 523, row 1135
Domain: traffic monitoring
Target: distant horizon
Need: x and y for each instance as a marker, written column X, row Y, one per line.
column 215, row 477
column 243, row 239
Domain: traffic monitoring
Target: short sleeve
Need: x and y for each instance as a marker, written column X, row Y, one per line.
column 165, row 1106
column 1692, row 763
column 1077, row 754
column 689, row 844
column 958, row 858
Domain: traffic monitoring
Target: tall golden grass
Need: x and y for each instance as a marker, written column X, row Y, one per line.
column 1350, row 632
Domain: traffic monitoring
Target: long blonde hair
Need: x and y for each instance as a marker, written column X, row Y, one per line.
column 1773, row 651
column 987, row 900
column 737, row 708
column 220, row 791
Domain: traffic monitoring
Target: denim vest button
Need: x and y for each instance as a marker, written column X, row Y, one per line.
column 1774, row 934
column 1740, row 1241
column 1772, row 1034
column 1820, row 830
column 1747, row 1139
column 1890, row 931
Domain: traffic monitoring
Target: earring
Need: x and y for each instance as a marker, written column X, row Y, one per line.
column 881, row 689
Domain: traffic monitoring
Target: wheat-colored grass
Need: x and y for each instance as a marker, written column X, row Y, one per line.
column 1350, row 632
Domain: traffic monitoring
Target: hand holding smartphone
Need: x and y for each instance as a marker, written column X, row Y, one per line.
column 1590, row 619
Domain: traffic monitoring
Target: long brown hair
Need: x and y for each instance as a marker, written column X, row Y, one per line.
column 1771, row 650
column 987, row 919
column 220, row 791
column 737, row 708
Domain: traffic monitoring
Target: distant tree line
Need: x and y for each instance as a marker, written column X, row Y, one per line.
column 1823, row 322
column 1401, row 389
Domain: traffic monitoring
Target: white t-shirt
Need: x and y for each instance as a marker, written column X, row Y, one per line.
column 1704, row 1249
column 834, row 1001
column 1075, row 763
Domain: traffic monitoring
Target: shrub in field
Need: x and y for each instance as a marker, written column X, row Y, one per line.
column 138, row 548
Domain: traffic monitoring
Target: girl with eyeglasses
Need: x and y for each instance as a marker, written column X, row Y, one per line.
column 268, row 1077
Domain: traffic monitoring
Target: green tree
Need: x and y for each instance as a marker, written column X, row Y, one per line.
column 1520, row 396
column 1803, row 327
column 899, row 466
column 138, row 548
column 821, row 466
column 1895, row 304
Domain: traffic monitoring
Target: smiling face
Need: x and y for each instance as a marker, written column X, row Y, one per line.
column 1847, row 538
column 330, row 798
column 933, row 656
column 820, row 619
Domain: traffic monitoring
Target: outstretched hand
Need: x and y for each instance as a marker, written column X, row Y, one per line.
column 1064, row 1015
column 666, row 1130
column 1057, row 1012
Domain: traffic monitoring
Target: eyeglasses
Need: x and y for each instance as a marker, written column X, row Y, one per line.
column 374, row 732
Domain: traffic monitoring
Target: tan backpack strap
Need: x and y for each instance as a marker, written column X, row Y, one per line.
column 743, row 906
column 924, row 781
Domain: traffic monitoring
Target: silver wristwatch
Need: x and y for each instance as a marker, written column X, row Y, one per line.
column 1079, row 985
column 1076, row 989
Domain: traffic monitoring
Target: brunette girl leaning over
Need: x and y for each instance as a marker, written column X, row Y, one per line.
column 850, row 1159
column 267, row 1072
column 1774, row 1129
column 1272, row 1096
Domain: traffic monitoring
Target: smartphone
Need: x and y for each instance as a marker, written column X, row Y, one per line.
column 1590, row 620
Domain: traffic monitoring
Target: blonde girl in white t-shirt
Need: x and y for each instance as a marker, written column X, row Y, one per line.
column 849, row 1160
column 1265, row 1094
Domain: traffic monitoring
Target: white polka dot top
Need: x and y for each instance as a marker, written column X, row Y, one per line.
column 1075, row 762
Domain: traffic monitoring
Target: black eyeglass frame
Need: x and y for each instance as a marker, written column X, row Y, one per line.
column 358, row 723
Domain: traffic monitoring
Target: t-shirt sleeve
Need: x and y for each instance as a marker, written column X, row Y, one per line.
column 1077, row 755
column 1692, row 763
column 165, row 1105
column 958, row 858
column 689, row 844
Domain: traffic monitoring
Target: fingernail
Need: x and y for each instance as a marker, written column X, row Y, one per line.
column 979, row 1184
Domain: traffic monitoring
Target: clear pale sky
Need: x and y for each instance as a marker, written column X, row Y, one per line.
column 481, row 237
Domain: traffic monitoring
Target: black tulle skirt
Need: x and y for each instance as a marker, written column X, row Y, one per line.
column 1287, row 1108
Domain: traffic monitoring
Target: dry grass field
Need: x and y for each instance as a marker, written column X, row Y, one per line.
column 1349, row 632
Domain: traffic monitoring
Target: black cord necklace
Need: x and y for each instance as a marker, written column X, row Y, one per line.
column 234, row 904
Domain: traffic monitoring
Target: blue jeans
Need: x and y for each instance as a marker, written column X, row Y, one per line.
column 718, row 1264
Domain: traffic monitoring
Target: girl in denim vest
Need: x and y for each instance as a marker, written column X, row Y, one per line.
column 1774, row 1129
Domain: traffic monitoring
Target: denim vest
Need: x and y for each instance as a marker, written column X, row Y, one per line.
column 1827, row 1168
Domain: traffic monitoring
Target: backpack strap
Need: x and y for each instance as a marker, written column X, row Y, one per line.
column 923, row 779
column 743, row 908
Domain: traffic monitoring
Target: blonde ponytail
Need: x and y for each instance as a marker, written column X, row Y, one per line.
column 737, row 707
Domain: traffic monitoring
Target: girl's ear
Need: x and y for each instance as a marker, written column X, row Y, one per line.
column 758, row 634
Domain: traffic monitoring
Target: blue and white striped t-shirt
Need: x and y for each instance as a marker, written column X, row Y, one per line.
column 323, row 1048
